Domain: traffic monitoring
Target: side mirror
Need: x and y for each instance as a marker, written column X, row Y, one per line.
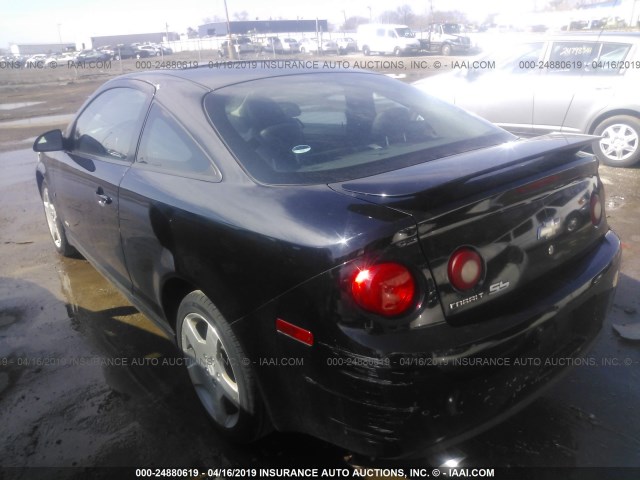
column 51, row 141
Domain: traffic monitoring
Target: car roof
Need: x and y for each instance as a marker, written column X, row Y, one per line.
column 223, row 74
column 595, row 36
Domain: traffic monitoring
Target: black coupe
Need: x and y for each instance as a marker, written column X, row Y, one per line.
column 336, row 252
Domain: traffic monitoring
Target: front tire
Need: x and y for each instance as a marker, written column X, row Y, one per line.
column 445, row 50
column 219, row 370
column 56, row 227
column 619, row 145
column 366, row 51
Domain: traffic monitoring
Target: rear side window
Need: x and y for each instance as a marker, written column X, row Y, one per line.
column 166, row 145
column 587, row 58
column 109, row 127
column 611, row 58
column 326, row 127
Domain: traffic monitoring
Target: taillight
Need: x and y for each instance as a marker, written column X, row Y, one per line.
column 596, row 209
column 387, row 289
column 465, row 268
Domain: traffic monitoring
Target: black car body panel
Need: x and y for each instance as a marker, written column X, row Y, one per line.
column 380, row 385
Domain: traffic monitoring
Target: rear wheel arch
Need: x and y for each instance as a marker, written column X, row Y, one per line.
column 220, row 371
column 611, row 113
column 174, row 290
column 626, row 117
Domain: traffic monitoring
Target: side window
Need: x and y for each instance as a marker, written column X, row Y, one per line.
column 110, row 125
column 572, row 57
column 611, row 59
column 521, row 59
column 165, row 144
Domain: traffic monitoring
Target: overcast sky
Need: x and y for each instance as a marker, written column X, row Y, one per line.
column 45, row 21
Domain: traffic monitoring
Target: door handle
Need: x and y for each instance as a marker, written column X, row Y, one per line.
column 103, row 198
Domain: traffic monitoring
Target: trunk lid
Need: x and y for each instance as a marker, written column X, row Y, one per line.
column 524, row 206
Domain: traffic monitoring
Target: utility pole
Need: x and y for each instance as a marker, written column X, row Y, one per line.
column 232, row 51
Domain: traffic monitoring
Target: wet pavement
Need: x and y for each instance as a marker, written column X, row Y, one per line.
column 86, row 380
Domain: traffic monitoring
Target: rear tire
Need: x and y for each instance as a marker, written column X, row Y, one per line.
column 445, row 50
column 219, row 370
column 56, row 227
column 620, row 142
column 365, row 51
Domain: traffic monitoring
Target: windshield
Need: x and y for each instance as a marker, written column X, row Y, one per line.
column 327, row 127
column 405, row 32
column 451, row 29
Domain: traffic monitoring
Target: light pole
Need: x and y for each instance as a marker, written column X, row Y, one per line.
column 60, row 37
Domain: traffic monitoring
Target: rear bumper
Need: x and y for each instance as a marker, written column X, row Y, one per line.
column 395, row 395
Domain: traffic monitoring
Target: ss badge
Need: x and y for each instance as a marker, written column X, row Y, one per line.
column 497, row 287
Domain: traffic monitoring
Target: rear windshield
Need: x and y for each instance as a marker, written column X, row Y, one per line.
column 329, row 127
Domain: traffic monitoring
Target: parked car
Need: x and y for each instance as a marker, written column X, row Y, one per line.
column 241, row 46
column 346, row 45
column 129, row 51
column 91, row 56
column 61, row 59
column 290, row 45
column 154, row 50
column 35, row 61
column 107, row 49
column 575, row 83
column 314, row 45
column 13, row 61
column 335, row 252
column 272, row 44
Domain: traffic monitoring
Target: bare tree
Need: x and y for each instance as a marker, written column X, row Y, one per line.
column 242, row 16
column 449, row 16
column 214, row 19
column 389, row 16
column 352, row 23
column 405, row 14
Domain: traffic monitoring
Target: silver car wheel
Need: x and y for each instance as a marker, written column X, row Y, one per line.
column 52, row 218
column 210, row 369
column 619, row 142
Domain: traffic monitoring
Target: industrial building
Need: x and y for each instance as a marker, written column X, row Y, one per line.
column 216, row 29
column 26, row 49
column 157, row 37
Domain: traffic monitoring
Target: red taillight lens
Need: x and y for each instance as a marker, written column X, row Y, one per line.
column 386, row 289
column 596, row 209
column 465, row 268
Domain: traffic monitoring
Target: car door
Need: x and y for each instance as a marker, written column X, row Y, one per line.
column 563, row 74
column 100, row 150
column 170, row 174
column 603, row 84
